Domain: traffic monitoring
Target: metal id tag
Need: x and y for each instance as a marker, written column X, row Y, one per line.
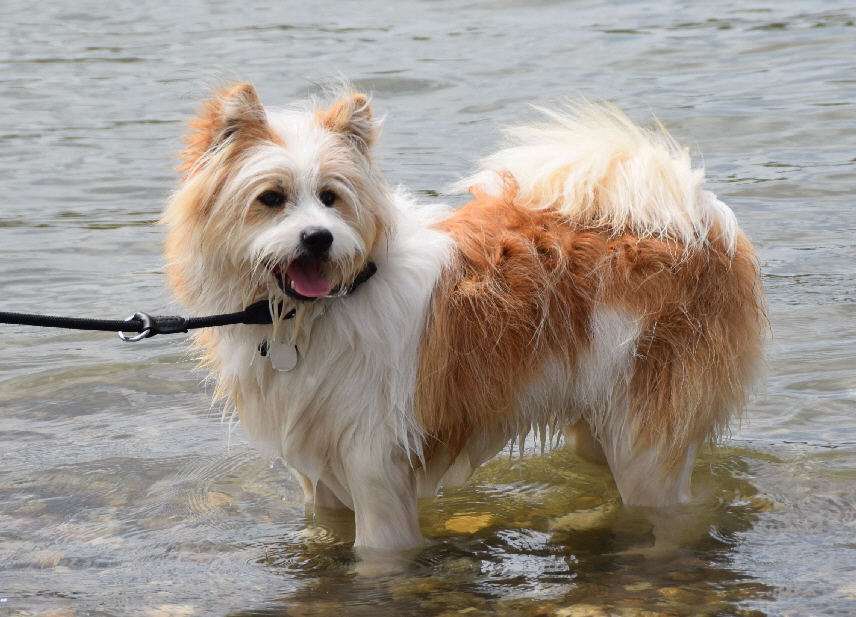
column 283, row 355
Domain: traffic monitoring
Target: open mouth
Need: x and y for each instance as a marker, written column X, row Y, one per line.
column 302, row 279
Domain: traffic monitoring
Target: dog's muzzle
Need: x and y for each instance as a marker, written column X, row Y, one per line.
column 306, row 277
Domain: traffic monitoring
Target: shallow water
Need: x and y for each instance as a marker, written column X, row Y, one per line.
column 121, row 492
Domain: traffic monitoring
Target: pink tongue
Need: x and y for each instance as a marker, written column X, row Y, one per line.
column 307, row 278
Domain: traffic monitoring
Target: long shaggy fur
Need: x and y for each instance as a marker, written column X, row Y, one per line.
column 592, row 285
column 596, row 167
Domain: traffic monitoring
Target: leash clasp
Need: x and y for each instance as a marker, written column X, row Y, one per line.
column 146, row 331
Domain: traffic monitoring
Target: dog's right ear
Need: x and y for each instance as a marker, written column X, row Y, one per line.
column 234, row 112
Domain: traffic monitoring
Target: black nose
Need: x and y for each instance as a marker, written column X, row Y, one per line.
column 316, row 240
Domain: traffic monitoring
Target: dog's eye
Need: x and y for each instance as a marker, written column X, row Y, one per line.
column 271, row 199
column 328, row 198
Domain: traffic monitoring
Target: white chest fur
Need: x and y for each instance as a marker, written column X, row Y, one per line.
column 349, row 391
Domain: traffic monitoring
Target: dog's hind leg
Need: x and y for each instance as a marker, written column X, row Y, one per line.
column 648, row 474
column 645, row 476
column 649, row 478
column 579, row 438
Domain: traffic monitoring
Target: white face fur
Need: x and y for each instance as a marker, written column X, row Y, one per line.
column 283, row 204
column 305, row 207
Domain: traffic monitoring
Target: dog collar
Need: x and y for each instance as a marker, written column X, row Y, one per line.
column 364, row 275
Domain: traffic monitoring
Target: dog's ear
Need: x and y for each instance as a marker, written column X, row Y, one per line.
column 233, row 112
column 352, row 116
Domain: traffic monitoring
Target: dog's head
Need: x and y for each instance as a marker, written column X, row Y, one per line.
column 284, row 204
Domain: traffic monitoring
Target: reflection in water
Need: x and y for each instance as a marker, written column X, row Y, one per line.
column 537, row 536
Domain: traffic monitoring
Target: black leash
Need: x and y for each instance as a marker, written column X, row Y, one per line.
column 146, row 326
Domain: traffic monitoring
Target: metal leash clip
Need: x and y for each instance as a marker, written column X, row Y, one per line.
column 146, row 330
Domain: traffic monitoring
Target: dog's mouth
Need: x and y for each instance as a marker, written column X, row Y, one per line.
column 302, row 279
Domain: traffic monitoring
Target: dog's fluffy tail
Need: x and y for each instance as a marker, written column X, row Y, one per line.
column 594, row 165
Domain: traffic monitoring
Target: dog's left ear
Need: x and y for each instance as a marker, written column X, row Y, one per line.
column 233, row 113
column 353, row 117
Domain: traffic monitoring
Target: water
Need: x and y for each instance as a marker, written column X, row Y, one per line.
column 121, row 492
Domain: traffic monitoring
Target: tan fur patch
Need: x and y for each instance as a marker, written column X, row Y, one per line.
column 351, row 116
column 228, row 123
column 522, row 290
column 234, row 109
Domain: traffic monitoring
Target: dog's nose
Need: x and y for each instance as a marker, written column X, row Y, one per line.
column 316, row 240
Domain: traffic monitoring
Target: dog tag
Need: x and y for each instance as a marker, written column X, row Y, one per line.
column 283, row 356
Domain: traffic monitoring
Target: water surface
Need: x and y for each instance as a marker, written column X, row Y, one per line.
column 122, row 493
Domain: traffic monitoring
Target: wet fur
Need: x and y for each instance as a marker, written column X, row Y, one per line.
column 591, row 285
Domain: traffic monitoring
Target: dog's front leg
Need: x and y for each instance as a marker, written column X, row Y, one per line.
column 319, row 494
column 383, row 488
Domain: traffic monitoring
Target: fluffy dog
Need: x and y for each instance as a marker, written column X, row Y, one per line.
column 591, row 285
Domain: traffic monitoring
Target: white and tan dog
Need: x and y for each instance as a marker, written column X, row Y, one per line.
column 591, row 285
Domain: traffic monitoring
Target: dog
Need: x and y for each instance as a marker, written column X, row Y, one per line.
column 591, row 286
